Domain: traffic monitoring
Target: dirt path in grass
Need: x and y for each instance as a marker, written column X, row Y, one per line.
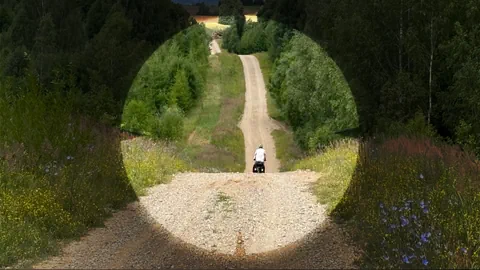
column 220, row 221
column 256, row 125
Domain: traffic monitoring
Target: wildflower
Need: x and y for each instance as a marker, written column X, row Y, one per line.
column 425, row 210
column 47, row 170
column 413, row 217
column 421, row 176
column 384, row 220
column 406, row 259
column 404, row 221
column 422, row 204
column 386, row 258
column 463, row 250
column 394, row 208
column 419, row 245
column 424, row 237
column 69, row 158
column 381, row 205
column 424, row 260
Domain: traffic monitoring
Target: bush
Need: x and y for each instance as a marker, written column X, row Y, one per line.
column 312, row 93
column 137, row 117
column 174, row 76
column 170, row 125
column 253, row 39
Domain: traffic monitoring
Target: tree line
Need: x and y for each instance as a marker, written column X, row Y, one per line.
column 401, row 58
column 97, row 46
column 306, row 84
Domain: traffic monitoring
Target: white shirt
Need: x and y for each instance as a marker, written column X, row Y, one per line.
column 259, row 155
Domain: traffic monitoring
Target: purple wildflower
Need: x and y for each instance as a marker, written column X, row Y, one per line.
column 424, row 260
column 404, row 221
column 406, row 259
column 424, row 237
column 463, row 250
column 422, row 204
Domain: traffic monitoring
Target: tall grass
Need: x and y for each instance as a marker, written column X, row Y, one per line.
column 149, row 163
column 60, row 173
column 415, row 203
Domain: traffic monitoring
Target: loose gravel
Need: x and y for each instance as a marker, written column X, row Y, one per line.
column 208, row 210
column 217, row 221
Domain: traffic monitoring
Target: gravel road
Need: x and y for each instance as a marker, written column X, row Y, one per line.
column 217, row 221
column 256, row 125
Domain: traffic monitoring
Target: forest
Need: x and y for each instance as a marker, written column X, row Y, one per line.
column 98, row 46
column 400, row 58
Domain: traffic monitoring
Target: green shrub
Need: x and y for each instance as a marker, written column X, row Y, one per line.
column 137, row 117
column 253, row 39
column 312, row 93
column 170, row 125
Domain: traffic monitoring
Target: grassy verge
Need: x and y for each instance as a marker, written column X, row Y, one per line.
column 213, row 140
column 149, row 163
column 287, row 150
column 60, row 173
column 336, row 165
column 267, row 67
column 414, row 204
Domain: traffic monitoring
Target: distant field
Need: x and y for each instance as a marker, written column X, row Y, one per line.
column 250, row 10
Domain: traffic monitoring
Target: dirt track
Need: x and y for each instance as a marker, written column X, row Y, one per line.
column 256, row 124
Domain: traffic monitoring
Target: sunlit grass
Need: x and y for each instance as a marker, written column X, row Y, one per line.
column 149, row 163
column 213, row 141
column 336, row 166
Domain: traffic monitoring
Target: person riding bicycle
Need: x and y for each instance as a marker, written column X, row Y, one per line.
column 259, row 158
column 260, row 155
